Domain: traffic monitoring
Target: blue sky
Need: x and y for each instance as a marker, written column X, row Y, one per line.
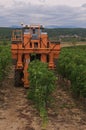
column 46, row 12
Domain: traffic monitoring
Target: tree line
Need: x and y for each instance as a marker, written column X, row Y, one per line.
column 63, row 34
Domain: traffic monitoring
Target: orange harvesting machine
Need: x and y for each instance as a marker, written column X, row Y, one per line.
column 27, row 41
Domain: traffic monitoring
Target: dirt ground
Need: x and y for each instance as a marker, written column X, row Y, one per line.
column 69, row 44
column 18, row 113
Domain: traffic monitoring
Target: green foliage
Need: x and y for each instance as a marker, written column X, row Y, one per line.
column 5, row 60
column 72, row 65
column 4, row 42
column 54, row 33
column 67, row 34
column 42, row 84
column 5, row 33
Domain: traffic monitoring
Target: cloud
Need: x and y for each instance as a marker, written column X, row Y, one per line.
column 42, row 14
column 84, row 5
column 42, row 0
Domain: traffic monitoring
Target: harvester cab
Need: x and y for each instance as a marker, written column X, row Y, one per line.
column 27, row 41
column 35, row 31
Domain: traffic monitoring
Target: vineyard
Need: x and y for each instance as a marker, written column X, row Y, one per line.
column 5, row 60
column 42, row 84
column 46, row 98
column 72, row 66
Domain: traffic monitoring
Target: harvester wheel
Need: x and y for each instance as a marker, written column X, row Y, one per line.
column 18, row 78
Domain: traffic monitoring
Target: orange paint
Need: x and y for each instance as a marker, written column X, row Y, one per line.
column 31, row 40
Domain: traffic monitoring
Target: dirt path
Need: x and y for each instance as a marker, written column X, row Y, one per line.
column 17, row 113
column 70, row 44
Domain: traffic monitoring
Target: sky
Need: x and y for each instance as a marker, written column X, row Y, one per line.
column 61, row 13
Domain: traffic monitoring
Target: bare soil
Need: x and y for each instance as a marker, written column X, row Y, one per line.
column 69, row 44
column 19, row 113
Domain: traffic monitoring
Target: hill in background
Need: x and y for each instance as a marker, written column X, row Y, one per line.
column 63, row 34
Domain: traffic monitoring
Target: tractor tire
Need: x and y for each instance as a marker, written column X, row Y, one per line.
column 18, row 78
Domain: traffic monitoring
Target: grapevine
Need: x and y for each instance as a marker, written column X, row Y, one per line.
column 42, row 84
column 5, row 60
column 72, row 66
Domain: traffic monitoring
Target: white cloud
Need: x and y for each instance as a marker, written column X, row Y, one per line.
column 46, row 2
column 43, row 13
